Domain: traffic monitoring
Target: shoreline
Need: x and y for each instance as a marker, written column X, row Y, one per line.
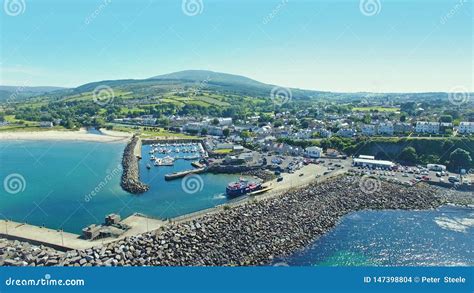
column 66, row 135
column 254, row 232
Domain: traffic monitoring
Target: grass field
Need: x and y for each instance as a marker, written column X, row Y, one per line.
column 223, row 151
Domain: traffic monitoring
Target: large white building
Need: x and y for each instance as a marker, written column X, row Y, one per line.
column 370, row 163
column 466, row 128
column 427, row 127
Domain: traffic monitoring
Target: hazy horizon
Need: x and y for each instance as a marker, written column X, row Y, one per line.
column 337, row 46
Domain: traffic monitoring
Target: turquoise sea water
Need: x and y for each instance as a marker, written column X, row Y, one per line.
column 56, row 180
column 442, row 237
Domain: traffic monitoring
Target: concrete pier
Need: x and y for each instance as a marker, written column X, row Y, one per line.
column 64, row 241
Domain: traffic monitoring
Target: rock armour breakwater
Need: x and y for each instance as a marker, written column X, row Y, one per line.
column 249, row 234
column 130, row 178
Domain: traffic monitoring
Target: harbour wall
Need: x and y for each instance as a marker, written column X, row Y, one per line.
column 131, row 178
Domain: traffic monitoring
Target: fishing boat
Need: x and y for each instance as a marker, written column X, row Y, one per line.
column 148, row 166
column 242, row 187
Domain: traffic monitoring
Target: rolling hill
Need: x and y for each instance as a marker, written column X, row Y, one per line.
column 189, row 81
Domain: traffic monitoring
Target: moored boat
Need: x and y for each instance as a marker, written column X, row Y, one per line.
column 242, row 187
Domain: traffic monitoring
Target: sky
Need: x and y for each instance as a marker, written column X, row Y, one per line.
column 342, row 46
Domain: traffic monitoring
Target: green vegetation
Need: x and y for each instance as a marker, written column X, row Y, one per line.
column 223, row 151
column 375, row 109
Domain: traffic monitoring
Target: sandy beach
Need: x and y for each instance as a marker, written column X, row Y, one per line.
column 82, row 135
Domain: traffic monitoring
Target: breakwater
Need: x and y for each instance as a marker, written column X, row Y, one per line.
column 131, row 178
column 253, row 233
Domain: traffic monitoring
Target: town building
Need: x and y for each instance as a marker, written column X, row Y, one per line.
column 370, row 163
column 466, row 128
column 314, row 152
column 385, row 129
column 346, row 132
column 402, row 127
column 427, row 127
column 368, row 130
column 46, row 124
column 324, row 133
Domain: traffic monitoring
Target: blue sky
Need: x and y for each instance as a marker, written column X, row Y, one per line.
column 406, row 46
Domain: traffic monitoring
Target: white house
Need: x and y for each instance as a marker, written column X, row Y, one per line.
column 46, row 124
column 368, row 129
column 325, row 133
column 402, row 127
column 427, row 127
column 346, row 132
column 314, row 152
column 466, row 128
column 385, row 128
column 264, row 130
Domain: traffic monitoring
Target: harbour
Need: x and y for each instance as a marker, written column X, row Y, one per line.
column 84, row 184
column 155, row 216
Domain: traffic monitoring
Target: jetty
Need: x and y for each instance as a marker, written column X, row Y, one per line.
column 182, row 174
column 63, row 241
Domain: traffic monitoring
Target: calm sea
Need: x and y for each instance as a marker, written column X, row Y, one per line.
column 51, row 183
